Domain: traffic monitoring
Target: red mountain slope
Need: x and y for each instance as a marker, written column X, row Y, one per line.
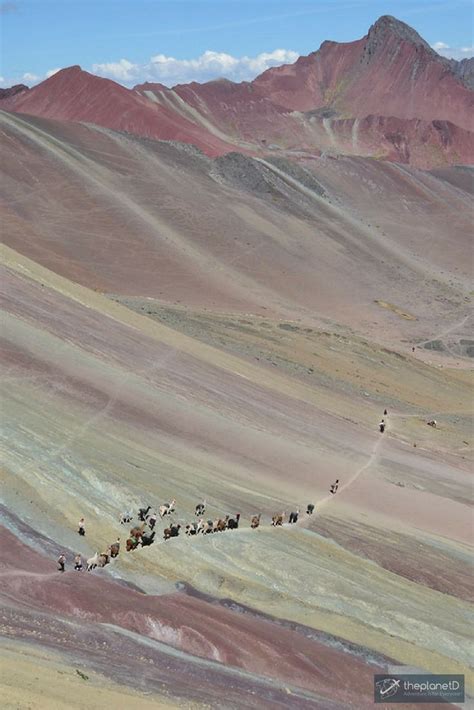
column 387, row 95
column 75, row 95
column 390, row 72
column 12, row 91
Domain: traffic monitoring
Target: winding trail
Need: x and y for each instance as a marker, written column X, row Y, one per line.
column 304, row 521
column 447, row 331
column 455, row 326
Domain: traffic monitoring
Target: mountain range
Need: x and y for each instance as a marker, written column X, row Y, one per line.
column 388, row 95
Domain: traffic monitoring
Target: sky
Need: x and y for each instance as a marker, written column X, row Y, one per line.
column 177, row 41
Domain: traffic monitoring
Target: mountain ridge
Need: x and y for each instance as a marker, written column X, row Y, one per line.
column 390, row 78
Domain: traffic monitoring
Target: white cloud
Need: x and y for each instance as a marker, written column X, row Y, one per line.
column 210, row 65
column 27, row 76
column 453, row 52
column 123, row 70
column 52, row 72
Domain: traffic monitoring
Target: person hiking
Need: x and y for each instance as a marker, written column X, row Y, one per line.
column 334, row 486
column 82, row 528
column 382, row 426
column 61, row 563
column 78, row 563
column 151, row 520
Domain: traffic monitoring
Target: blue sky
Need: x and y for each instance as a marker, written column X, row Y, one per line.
column 181, row 40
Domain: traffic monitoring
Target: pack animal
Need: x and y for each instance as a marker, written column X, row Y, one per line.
column 103, row 559
column 209, row 527
column 172, row 531
column 191, row 528
column 135, row 537
column 200, row 508
column 167, row 508
column 92, row 562
column 255, row 521
column 233, row 523
column 143, row 512
column 115, row 548
column 148, row 538
column 221, row 524
column 201, row 526
column 294, row 516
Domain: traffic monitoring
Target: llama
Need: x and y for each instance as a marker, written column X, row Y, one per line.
column 200, row 508
column 233, row 523
column 92, row 562
column 167, row 508
column 255, row 521
column 201, row 526
column 115, row 548
column 172, row 531
column 148, row 538
column 143, row 512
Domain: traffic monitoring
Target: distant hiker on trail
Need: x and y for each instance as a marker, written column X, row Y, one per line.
column 413, row 350
column 151, row 520
column 334, row 486
column 78, row 563
column 61, row 563
column 82, row 529
column 382, row 426
column 385, row 412
column 309, row 509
